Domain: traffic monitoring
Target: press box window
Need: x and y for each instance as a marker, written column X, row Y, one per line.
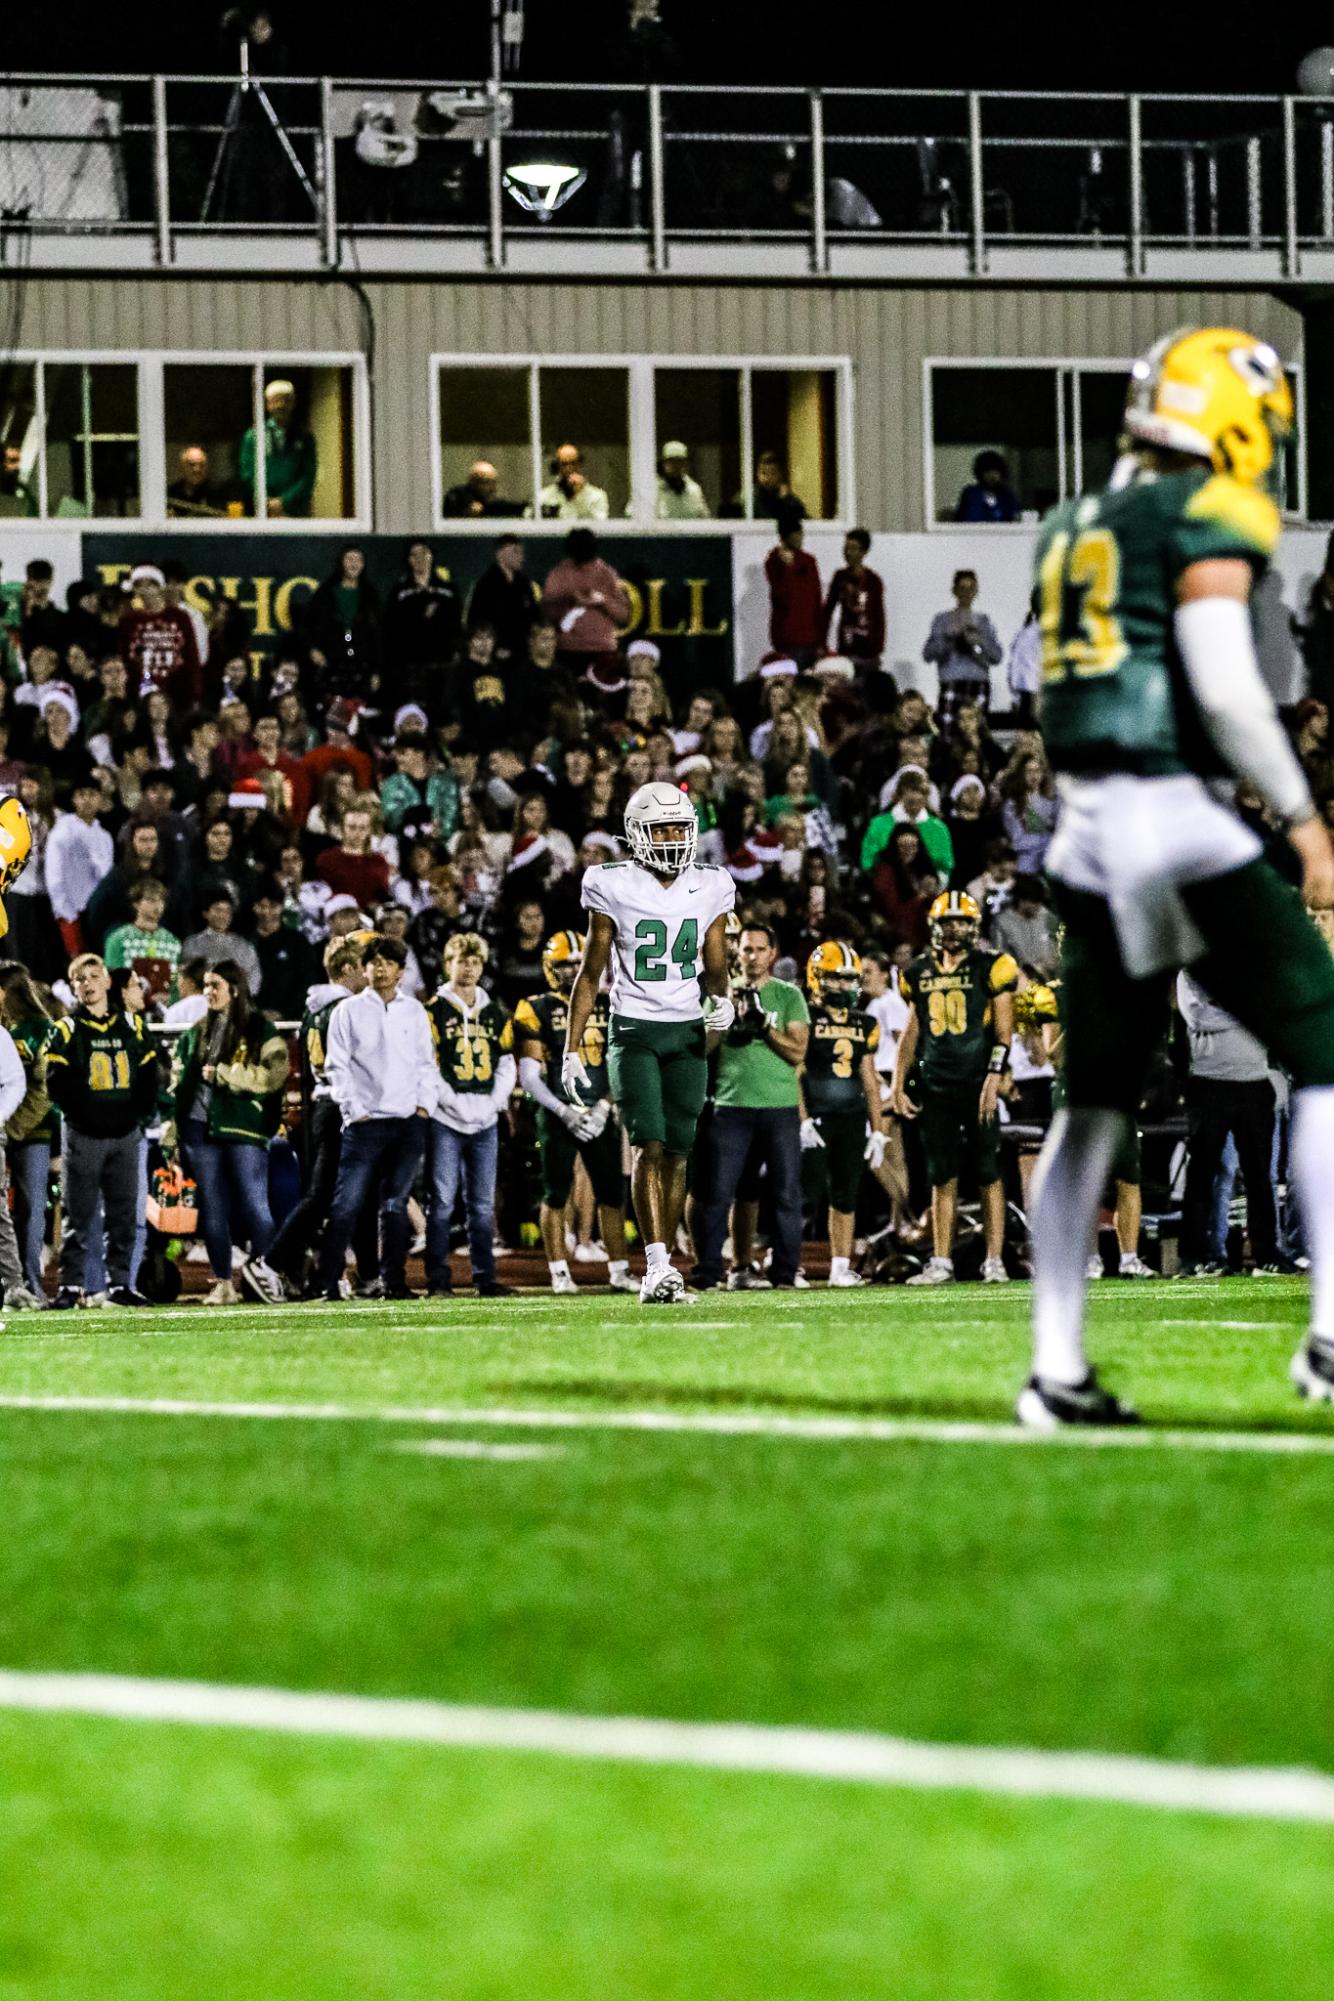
column 794, row 438
column 699, row 408
column 584, row 411
column 215, row 414
column 486, row 443
column 20, row 440
column 1013, row 411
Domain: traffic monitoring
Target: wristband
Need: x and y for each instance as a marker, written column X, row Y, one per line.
column 1000, row 1057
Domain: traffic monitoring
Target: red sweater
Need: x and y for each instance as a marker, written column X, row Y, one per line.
column 796, row 614
column 857, row 604
column 364, row 876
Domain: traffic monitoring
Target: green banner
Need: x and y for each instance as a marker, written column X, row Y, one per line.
column 679, row 586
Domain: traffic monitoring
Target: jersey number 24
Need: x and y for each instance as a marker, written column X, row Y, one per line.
column 651, row 954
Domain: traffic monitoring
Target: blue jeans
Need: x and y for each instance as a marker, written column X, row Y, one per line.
column 375, row 1152
column 30, row 1177
column 740, row 1139
column 228, row 1172
column 471, row 1157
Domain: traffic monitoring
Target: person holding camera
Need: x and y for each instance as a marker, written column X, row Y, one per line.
column 757, row 1117
column 963, row 648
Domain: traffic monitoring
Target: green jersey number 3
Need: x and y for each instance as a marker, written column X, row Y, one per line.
column 651, row 954
column 1077, row 591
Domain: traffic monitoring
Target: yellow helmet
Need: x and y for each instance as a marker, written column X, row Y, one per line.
column 560, row 959
column 1216, row 393
column 1033, row 1006
column 834, row 971
column 15, row 842
column 955, row 908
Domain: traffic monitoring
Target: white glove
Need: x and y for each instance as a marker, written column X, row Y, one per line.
column 597, row 1116
column 875, row 1149
column 810, row 1135
column 574, row 1078
column 583, row 1125
column 719, row 1013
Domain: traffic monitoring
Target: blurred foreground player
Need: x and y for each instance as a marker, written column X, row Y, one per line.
column 15, row 848
column 1151, row 688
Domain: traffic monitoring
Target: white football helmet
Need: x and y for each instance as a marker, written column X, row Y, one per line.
column 661, row 827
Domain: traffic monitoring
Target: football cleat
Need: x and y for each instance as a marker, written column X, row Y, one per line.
column 847, row 1278
column 663, row 1286
column 1312, row 1369
column 619, row 1278
column 937, row 1271
column 994, row 1272
column 18, row 1299
column 125, row 1295
column 563, row 1281
column 745, row 1279
column 1095, row 1268
column 66, row 1299
column 1048, row 1406
column 1135, row 1267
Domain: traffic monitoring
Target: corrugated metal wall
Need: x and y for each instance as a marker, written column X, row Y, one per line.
column 886, row 331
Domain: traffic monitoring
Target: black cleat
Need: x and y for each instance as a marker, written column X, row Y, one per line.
column 495, row 1290
column 1312, row 1369
column 1048, row 1406
column 68, row 1297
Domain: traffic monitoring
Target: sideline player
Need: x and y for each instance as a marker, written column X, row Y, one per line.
column 841, row 1091
column 659, row 919
column 15, row 850
column 958, row 1037
column 585, row 1130
column 1152, row 688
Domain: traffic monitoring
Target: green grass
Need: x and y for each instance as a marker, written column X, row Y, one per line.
column 1170, row 1603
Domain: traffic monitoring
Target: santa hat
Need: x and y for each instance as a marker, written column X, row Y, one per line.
column 412, row 716
column 836, row 668
column 528, row 848
column 342, row 715
column 646, row 647
column 966, row 784
column 146, row 573
column 61, row 693
column 341, row 902
column 778, row 668
column 246, row 795
column 599, row 838
column 696, row 762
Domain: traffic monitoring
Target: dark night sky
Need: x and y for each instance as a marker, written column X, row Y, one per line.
column 1005, row 45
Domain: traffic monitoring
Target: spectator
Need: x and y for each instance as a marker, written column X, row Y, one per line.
column 289, row 458
column 217, row 944
column 339, row 753
column 1229, row 1095
column 191, row 1006
column 1028, row 931
column 478, row 495
column 854, row 607
column 268, row 755
column 990, row 496
column 43, row 623
column 32, row 1129
column 571, row 496
column 158, row 641
column 680, row 498
column 286, row 966
column 353, row 868
column 228, row 1076
column 79, row 852
column 757, row 1120
column 102, row 1073
column 796, row 609
column 479, row 701
column 963, row 647
column 1025, row 671
column 770, row 496
column 474, row 1045
column 586, row 601
column 541, row 678
column 380, row 1065
column 342, row 624
column 417, row 789
column 503, row 598
column 431, row 928
column 421, row 629
column 903, row 883
column 910, row 805
column 1028, row 810
column 144, row 946
column 972, row 828
column 192, row 493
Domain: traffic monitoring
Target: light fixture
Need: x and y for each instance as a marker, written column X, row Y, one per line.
column 542, row 186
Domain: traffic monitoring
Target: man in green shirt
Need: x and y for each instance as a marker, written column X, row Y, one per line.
column 758, row 1109
column 146, row 946
column 289, row 458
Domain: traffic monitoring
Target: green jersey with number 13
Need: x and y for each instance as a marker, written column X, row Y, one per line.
column 1114, row 692
column 660, row 926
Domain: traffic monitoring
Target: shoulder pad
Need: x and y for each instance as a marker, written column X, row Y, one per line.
column 1243, row 510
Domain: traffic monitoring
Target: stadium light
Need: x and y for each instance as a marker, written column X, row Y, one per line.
column 542, row 186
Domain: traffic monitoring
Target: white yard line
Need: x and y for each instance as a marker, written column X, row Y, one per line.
column 857, row 1757
column 725, row 1424
column 474, row 1448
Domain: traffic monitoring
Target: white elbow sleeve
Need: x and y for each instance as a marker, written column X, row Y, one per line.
column 1218, row 653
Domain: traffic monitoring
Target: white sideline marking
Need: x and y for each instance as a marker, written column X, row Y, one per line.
column 859, row 1757
column 731, row 1424
column 473, row 1448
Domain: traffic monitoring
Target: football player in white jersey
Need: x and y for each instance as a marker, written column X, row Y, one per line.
column 659, row 920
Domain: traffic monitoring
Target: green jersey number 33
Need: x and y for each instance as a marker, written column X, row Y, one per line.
column 651, row 954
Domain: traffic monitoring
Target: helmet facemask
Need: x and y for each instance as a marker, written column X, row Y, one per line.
column 665, row 846
column 954, row 934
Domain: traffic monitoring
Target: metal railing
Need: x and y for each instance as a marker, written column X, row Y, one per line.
column 663, row 171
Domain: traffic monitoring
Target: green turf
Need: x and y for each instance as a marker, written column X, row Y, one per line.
column 1168, row 1603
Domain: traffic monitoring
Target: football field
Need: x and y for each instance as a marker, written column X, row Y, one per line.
column 555, row 1650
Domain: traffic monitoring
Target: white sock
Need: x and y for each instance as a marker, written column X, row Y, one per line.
column 1313, row 1172
column 1066, row 1186
column 558, row 1267
column 837, row 1267
column 656, row 1255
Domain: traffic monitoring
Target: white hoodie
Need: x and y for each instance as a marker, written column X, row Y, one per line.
column 474, row 1111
